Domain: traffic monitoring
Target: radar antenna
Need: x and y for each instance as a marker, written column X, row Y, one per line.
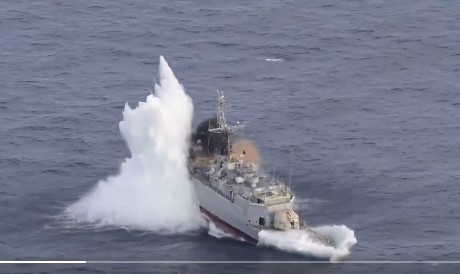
column 222, row 126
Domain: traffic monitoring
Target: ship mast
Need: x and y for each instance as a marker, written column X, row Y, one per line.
column 222, row 126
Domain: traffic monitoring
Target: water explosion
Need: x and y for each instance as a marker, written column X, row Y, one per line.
column 152, row 190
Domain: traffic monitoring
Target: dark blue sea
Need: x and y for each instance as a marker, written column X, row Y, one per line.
column 361, row 99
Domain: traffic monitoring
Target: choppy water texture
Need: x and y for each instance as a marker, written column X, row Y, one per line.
column 360, row 98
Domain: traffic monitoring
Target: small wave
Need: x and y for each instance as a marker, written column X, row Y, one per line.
column 274, row 59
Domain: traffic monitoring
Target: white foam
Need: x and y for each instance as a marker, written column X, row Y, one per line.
column 300, row 242
column 274, row 59
column 152, row 190
column 217, row 232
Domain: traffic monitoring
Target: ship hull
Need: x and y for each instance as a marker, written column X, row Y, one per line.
column 224, row 213
column 227, row 228
column 232, row 217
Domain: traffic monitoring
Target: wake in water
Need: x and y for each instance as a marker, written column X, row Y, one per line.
column 152, row 190
column 300, row 242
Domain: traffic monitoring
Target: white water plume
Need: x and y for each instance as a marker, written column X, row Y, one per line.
column 300, row 241
column 152, row 190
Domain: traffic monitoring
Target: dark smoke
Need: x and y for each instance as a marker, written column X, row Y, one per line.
column 211, row 143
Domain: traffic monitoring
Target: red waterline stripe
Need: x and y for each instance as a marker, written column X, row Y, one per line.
column 235, row 231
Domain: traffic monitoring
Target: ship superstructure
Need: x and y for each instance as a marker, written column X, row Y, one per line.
column 236, row 195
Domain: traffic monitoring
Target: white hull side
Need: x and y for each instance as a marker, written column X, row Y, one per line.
column 222, row 208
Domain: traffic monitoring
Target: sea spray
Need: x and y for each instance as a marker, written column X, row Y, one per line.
column 152, row 190
column 300, row 242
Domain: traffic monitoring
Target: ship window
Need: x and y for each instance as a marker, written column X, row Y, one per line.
column 261, row 221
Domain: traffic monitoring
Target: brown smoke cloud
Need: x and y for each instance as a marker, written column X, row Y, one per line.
column 252, row 153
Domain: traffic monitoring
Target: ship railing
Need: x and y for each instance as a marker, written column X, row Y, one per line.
column 205, row 180
column 221, row 193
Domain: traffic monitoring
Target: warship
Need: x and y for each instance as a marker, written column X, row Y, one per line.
column 235, row 194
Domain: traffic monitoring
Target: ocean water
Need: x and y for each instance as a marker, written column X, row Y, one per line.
column 361, row 99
